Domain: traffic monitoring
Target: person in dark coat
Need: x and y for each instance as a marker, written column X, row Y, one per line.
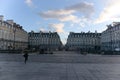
column 26, row 56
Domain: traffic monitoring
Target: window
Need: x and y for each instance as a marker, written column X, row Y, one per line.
column 0, row 23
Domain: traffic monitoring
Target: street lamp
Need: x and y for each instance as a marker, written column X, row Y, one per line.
column 14, row 31
column 49, row 42
column 110, row 36
column 2, row 39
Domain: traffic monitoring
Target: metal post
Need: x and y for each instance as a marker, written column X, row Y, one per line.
column 49, row 42
column 2, row 41
column 14, row 31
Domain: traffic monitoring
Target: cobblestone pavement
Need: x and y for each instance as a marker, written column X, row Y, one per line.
column 59, row 67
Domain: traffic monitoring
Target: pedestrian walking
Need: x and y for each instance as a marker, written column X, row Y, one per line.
column 25, row 56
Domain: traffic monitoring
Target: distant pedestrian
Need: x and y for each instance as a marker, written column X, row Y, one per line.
column 25, row 56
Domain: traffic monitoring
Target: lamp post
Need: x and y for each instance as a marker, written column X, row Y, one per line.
column 110, row 40
column 14, row 31
column 110, row 37
column 2, row 39
column 49, row 42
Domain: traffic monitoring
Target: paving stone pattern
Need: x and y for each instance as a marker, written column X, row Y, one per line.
column 96, row 67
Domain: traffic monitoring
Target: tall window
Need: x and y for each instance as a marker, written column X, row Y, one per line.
column 0, row 24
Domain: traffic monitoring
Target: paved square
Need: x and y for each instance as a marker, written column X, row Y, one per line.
column 59, row 67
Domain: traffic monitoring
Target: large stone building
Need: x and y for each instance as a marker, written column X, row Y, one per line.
column 111, row 37
column 12, row 35
column 44, row 40
column 84, row 41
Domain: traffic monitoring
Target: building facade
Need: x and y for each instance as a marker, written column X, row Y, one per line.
column 111, row 37
column 84, row 41
column 12, row 35
column 44, row 40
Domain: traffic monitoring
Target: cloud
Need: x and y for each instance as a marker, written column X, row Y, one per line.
column 85, row 8
column 43, row 30
column 110, row 12
column 29, row 3
column 68, row 13
column 58, row 27
column 71, row 18
column 56, row 14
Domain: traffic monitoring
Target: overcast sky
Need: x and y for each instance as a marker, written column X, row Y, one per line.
column 63, row 16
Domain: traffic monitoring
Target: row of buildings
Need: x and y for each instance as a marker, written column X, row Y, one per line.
column 44, row 40
column 84, row 41
column 13, row 36
column 108, row 40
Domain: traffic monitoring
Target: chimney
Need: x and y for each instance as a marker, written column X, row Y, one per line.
column 95, row 31
column 10, row 22
column 1, row 17
column 109, row 26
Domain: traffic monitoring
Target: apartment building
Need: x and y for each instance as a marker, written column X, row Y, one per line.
column 12, row 35
column 84, row 41
column 110, row 38
column 44, row 40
